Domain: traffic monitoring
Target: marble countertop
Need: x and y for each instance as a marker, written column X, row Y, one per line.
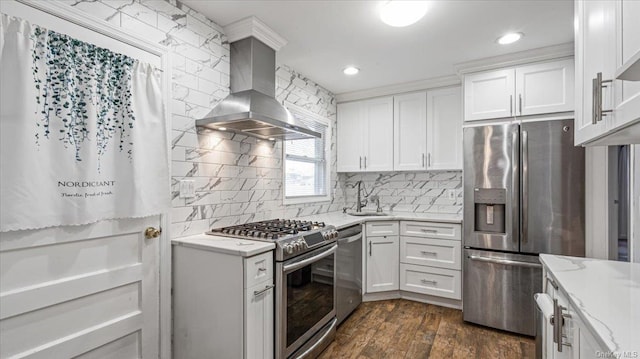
column 248, row 248
column 233, row 246
column 342, row 220
column 606, row 295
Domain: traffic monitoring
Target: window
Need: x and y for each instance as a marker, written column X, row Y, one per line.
column 306, row 169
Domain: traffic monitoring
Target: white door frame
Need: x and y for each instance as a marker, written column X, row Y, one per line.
column 80, row 18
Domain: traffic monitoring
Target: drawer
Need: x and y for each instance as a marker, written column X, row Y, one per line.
column 258, row 269
column 432, row 281
column 431, row 230
column 382, row 228
column 431, row 252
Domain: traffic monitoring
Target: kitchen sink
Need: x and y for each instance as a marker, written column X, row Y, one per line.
column 362, row 214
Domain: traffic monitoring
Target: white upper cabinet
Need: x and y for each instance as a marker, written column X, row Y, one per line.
column 378, row 138
column 607, row 44
column 594, row 51
column 350, row 137
column 365, row 135
column 444, row 129
column 535, row 89
column 410, row 131
column 545, row 87
column 489, row 95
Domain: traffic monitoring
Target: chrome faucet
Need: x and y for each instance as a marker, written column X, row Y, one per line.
column 359, row 203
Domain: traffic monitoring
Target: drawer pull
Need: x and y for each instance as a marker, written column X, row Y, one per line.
column 429, row 281
column 258, row 292
column 429, row 252
column 262, row 269
column 429, row 230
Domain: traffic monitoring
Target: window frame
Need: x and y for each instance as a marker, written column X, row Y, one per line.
column 297, row 110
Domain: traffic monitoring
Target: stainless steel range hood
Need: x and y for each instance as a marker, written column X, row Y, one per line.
column 251, row 108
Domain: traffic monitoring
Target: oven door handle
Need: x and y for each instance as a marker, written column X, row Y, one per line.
column 297, row 265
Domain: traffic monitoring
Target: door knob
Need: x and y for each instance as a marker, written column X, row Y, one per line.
column 151, row 232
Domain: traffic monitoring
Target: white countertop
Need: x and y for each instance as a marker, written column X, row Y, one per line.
column 342, row 220
column 606, row 295
column 248, row 248
column 233, row 246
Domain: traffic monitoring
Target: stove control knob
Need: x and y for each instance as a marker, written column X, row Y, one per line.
column 288, row 248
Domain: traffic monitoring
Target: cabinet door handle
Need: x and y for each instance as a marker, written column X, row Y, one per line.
column 360, row 162
column 594, row 101
column 598, row 84
column 429, row 160
column 365, row 162
column 520, row 103
column 511, row 105
column 423, row 160
column 258, row 292
column 428, row 252
column 369, row 248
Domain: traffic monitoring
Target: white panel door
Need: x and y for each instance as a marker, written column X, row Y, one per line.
column 594, row 52
column 545, row 87
column 489, row 95
column 383, row 260
column 66, row 291
column 378, row 131
column 351, row 132
column 91, row 290
column 410, row 131
column 444, row 129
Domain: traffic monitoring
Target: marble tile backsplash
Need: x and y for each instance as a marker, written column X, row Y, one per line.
column 407, row 191
column 238, row 178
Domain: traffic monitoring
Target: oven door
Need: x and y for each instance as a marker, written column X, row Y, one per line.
column 305, row 298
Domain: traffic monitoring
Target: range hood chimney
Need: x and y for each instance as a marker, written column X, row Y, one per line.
column 251, row 107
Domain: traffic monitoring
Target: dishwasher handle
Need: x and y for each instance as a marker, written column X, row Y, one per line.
column 351, row 239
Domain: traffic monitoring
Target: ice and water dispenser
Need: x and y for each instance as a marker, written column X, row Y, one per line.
column 489, row 209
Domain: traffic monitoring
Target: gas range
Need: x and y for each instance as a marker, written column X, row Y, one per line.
column 291, row 237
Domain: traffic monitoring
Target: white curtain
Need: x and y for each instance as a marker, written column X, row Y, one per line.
column 82, row 132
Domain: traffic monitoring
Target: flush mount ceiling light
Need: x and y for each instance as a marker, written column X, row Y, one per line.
column 510, row 38
column 400, row 13
column 351, row 70
column 222, row 128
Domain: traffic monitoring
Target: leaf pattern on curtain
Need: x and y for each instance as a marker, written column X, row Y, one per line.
column 74, row 78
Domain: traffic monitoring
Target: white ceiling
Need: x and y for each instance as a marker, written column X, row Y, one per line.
column 326, row 36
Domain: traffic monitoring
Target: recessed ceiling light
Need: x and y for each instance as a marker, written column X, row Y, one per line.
column 271, row 139
column 510, row 38
column 222, row 128
column 400, row 13
column 351, row 70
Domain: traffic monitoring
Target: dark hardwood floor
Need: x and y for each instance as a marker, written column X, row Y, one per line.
column 405, row 329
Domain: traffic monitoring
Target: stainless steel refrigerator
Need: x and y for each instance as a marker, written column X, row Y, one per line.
column 523, row 195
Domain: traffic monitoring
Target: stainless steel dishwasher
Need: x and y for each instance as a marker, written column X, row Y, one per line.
column 349, row 271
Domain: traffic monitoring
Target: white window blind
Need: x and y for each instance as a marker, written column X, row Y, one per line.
column 306, row 167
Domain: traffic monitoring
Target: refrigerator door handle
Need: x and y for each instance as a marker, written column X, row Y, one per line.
column 515, row 213
column 505, row 262
column 525, row 187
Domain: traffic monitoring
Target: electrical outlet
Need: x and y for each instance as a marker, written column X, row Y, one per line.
column 187, row 188
column 451, row 194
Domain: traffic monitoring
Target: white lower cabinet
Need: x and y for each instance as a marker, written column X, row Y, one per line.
column 258, row 321
column 577, row 342
column 431, row 252
column 434, row 281
column 382, row 263
column 414, row 257
column 222, row 304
